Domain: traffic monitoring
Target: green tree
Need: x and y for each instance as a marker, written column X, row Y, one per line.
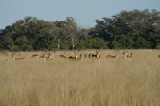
column 133, row 24
column 125, row 42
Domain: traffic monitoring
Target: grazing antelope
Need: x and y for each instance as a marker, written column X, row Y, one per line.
column 63, row 56
column 110, row 56
column 35, row 56
column 73, row 58
column 21, row 58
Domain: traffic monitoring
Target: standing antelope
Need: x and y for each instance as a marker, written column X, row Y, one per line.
column 110, row 56
column 63, row 56
column 21, row 58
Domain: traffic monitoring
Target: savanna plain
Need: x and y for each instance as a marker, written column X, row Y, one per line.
column 90, row 82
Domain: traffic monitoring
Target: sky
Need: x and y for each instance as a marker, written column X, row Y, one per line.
column 85, row 12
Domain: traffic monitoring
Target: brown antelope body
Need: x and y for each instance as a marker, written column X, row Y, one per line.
column 42, row 56
column 127, row 56
column 35, row 55
column 21, row 58
column 63, row 56
column 110, row 56
column 73, row 58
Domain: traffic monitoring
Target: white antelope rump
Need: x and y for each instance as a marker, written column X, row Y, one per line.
column 110, row 56
column 21, row 58
column 63, row 56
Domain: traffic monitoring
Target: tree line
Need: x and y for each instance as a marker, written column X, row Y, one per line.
column 126, row 30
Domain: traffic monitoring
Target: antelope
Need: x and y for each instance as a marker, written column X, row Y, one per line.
column 21, row 58
column 73, row 58
column 127, row 56
column 80, row 58
column 42, row 56
column 35, row 55
column 50, row 57
column 159, row 56
column 90, row 55
column 63, row 56
column 96, row 56
column 85, row 56
column 110, row 56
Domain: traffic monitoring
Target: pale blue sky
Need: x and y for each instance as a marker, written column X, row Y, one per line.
column 85, row 12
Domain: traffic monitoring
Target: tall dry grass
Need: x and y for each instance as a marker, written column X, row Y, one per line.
column 91, row 82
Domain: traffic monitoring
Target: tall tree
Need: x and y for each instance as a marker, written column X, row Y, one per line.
column 74, row 32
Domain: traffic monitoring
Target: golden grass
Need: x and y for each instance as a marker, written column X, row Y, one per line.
column 91, row 82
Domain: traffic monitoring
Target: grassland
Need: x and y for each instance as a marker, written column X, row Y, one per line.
column 91, row 82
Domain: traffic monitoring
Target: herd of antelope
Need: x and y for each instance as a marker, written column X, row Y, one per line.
column 82, row 56
column 43, row 56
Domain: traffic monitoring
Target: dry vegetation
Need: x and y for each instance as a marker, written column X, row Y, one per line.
column 91, row 82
